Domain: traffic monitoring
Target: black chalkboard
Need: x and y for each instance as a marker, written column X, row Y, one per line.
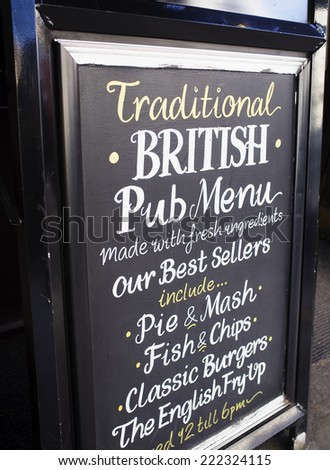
column 187, row 181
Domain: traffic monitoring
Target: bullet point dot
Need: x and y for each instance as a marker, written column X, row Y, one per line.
column 138, row 365
column 120, row 408
column 128, row 334
column 278, row 143
column 114, row 158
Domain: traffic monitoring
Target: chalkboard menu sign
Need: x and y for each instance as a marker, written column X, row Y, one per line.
column 185, row 175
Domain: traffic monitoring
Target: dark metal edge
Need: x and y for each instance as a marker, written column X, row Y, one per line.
column 167, row 21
